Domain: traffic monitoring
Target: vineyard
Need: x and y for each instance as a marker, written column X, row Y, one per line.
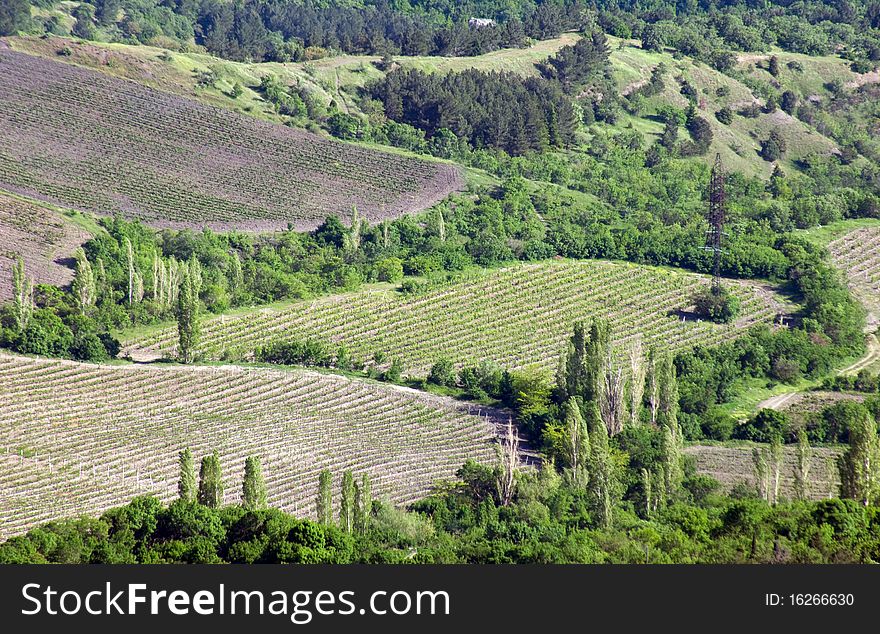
column 78, row 439
column 857, row 254
column 41, row 237
column 96, row 143
column 515, row 316
column 732, row 465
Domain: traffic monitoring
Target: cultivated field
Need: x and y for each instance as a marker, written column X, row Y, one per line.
column 515, row 316
column 78, row 439
column 41, row 237
column 857, row 254
column 92, row 142
column 732, row 465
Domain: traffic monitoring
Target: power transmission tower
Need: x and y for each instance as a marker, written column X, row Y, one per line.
column 717, row 212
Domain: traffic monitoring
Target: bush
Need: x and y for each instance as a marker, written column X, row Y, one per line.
column 716, row 304
column 442, row 373
column 764, row 426
column 310, row 352
column 725, row 116
column 389, row 270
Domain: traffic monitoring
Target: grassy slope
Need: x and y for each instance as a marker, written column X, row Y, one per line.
column 516, row 316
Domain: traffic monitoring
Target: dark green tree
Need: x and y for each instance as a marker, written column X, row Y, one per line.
column 254, row 487
column 15, row 15
column 211, row 482
column 324, row 500
column 186, row 486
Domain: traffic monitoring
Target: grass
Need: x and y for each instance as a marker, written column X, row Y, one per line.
column 515, row 316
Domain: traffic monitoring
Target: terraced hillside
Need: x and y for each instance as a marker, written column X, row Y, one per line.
column 514, row 316
column 857, row 254
column 41, row 237
column 78, row 439
column 732, row 465
column 93, row 142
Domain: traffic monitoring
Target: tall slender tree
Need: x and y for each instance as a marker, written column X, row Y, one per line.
column 211, row 482
column 636, row 386
column 131, row 266
column 652, row 387
column 508, row 464
column 776, row 459
column 186, row 486
column 603, row 479
column 324, row 501
column 673, row 471
column 363, row 505
column 802, row 466
column 22, row 296
column 762, row 473
column 859, row 466
column 667, row 405
column 578, row 442
column 612, row 394
column 253, row 487
column 83, row 286
column 347, row 505
column 188, row 318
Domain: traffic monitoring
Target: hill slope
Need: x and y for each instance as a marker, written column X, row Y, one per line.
column 41, row 237
column 78, row 439
column 514, row 316
column 93, row 142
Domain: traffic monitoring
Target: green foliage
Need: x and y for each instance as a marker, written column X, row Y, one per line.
column 764, row 426
column 210, row 482
column 717, row 304
column 186, row 486
column 442, row 373
column 15, row 15
column 253, row 487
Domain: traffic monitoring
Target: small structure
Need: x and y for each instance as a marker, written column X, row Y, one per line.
column 479, row 23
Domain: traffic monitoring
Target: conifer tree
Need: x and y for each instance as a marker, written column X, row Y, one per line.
column 211, row 482
column 186, row 486
column 860, row 466
column 324, row 502
column 83, row 286
column 346, row 506
column 254, row 487
column 22, row 296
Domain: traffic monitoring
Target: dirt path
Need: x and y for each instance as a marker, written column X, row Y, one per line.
column 870, row 357
column 777, row 402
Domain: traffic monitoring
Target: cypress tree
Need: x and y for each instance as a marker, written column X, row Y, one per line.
column 186, row 486
column 346, row 506
column 324, row 499
column 254, row 487
column 211, row 482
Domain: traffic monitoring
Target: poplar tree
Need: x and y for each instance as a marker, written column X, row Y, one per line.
column 236, row 277
column 596, row 355
column 612, row 394
column 22, row 296
column 603, row 484
column 507, row 452
column 130, row 265
column 188, row 320
column 802, row 466
column 652, row 387
column 253, row 487
column 363, row 505
column 636, row 388
column 858, row 466
column 776, row 457
column 83, row 286
column 762, row 473
column 667, row 392
column 324, row 501
column 211, row 482
column 671, row 447
column 578, row 442
column 186, row 486
column 347, row 504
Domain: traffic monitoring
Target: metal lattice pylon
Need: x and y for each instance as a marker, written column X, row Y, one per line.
column 717, row 212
